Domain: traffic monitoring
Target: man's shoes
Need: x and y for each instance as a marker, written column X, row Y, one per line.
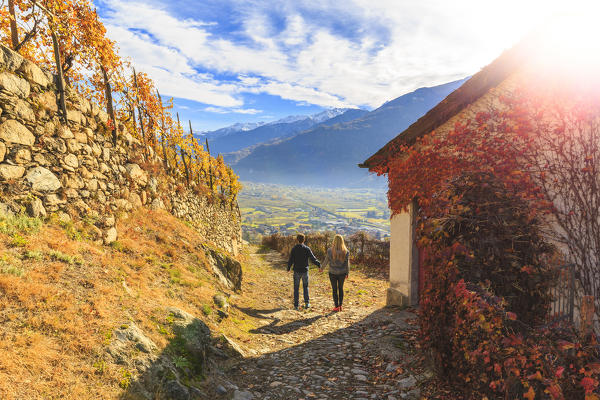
column 340, row 308
column 335, row 309
column 296, row 308
column 307, row 306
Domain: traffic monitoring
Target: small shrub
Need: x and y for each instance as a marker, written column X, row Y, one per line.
column 125, row 381
column 62, row 257
column 18, row 241
column 33, row 255
column 181, row 362
column 12, row 270
column 206, row 309
column 19, row 224
column 120, row 247
column 100, row 367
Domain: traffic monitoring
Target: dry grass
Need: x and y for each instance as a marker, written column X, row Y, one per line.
column 60, row 299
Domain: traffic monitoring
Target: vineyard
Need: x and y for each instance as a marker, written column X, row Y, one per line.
column 67, row 38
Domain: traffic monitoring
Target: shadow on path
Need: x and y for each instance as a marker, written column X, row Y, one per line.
column 261, row 314
column 342, row 364
column 276, row 329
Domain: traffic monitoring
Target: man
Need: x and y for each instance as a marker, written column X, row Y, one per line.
column 299, row 257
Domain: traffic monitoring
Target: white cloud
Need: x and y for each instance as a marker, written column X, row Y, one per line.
column 219, row 110
column 390, row 47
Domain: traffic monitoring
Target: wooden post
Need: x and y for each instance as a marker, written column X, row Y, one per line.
column 139, row 107
column 162, row 133
column 14, row 34
column 61, row 82
column 210, row 176
column 194, row 155
column 109, row 104
column 183, row 155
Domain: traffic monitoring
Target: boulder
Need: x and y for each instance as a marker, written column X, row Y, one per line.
column 48, row 101
column 81, row 137
column 35, row 208
column 23, row 156
column 242, row 395
column 75, row 116
column 110, row 235
column 227, row 269
column 174, row 390
column 131, row 333
column 9, row 59
column 123, row 204
column 34, row 74
column 135, row 200
column 64, row 132
column 157, row 204
column 194, row 335
column 153, row 185
column 136, row 174
column 15, row 85
column 5, row 211
column 12, row 131
column 23, row 111
column 10, row 172
column 71, row 161
column 43, row 180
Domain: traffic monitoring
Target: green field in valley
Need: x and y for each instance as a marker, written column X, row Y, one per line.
column 268, row 208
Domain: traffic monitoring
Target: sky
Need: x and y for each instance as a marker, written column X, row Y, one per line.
column 230, row 61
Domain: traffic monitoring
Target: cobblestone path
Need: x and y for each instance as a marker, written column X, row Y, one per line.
column 359, row 353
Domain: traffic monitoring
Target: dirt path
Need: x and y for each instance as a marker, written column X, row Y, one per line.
column 359, row 353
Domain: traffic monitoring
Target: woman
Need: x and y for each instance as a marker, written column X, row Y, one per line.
column 337, row 259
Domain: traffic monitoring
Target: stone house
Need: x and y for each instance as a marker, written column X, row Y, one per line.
column 532, row 60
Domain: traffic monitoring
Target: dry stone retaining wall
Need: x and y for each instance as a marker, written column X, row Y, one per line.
column 48, row 167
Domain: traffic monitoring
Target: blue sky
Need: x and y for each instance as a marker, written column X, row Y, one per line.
column 228, row 61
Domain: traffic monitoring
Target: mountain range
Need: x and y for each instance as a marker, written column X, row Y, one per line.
column 240, row 136
column 325, row 153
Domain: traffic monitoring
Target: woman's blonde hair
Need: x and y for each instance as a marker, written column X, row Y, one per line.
column 338, row 250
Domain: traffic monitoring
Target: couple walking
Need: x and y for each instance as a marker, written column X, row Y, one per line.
column 337, row 258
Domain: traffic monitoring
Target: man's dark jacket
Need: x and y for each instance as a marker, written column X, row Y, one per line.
column 299, row 257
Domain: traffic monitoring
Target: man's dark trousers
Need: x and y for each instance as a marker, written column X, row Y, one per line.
column 297, row 277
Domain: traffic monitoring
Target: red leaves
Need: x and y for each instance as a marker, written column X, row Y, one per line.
column 588, row 384
column 530, row 394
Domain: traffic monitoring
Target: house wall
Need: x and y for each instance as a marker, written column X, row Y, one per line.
column 404, row 255
column 404, row 260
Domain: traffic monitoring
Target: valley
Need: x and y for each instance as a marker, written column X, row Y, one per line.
column 271, row 208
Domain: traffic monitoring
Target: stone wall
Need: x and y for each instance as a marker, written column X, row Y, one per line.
column 76, row 171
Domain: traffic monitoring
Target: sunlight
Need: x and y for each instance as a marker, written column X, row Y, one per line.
column 570, row 42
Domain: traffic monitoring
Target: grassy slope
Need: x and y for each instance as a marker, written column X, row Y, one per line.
column 61, row 297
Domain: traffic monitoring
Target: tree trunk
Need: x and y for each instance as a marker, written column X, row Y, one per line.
column 61, row 81
column 14, row 34
column 109, row 104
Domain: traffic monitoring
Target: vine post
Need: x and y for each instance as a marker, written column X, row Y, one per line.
column 183, row 153
column 162, row 132
column 109, row 104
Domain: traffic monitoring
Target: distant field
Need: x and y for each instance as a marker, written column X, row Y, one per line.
column 268, row 208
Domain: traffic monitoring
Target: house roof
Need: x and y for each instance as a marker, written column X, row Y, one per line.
column 479, row 84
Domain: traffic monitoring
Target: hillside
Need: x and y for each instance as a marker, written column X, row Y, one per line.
column 328, row 155
column 239, row 139
column 86, row 320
